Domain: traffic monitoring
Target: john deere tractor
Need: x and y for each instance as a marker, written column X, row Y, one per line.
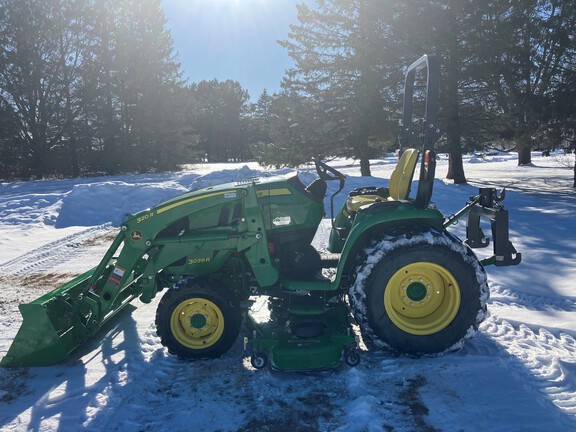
column 410, row 285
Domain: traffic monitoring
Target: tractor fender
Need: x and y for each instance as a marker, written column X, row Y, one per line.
column 378, row 219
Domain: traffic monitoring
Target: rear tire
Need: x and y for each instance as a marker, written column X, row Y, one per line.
column 419, row 294
column 195, row 321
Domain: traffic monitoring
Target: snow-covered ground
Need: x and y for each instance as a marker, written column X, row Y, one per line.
column 517, row 374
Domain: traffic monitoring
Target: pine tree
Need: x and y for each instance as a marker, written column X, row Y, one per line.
column 260, row 120
column 42, row 51
column 299, row 131
column 153, row 76
column 13, row 155
column 444, row 29
column 91, row 85
column 220, row 118
column 342, row 59
column 131, row 107
column 530, row 43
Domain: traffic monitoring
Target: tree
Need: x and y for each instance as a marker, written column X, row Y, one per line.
column 446, row 28
column 91, row 85
column 12, row 155
column 219, row 117
column 135, row 82
column 350, row 57
column 42, row 49
column 531, row 42
column 342, row 59
column 502, row 66
column 151, row 117
column 299, row 130
column 260, row 120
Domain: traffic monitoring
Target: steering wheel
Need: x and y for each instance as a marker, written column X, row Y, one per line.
column 326, row 172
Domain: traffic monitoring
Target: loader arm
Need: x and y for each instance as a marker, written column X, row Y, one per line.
column 146, row 253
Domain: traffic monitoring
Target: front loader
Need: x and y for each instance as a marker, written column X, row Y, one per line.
column 410, row 285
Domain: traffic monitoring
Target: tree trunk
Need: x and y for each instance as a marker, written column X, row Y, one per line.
column 364, row 157
column 365, row 167
column 456, row 168
column 453, row 134
column 524, row 154
column 74, row 158
column 40, row 159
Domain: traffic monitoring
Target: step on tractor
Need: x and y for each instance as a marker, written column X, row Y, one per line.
column 391, row 267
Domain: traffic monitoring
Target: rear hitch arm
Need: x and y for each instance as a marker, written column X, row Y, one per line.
column 487, row 205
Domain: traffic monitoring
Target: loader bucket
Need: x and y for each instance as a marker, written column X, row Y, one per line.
column 47, row 334
column 60, row 321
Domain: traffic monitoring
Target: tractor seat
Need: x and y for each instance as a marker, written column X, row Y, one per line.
column 398, row 186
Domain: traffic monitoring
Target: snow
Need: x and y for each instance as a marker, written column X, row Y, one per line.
column 517, row 373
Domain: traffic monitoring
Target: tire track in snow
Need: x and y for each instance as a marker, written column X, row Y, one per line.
column 507, row 297
column 546, row 362
column 52, row 254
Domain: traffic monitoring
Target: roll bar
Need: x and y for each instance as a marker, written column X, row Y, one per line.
column 430, row 132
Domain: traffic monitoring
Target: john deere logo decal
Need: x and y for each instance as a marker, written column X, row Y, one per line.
column 136, row 235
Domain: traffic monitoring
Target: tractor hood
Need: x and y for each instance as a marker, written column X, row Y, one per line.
column 261, row 183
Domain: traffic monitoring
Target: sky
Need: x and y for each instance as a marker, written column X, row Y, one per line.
column 232, row 39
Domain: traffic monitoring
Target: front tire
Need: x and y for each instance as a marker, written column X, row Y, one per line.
column 419, row 294
column 195, row 321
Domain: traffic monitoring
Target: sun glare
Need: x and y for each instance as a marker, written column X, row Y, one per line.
column 231, row 39
column 233, row 5
column 220, row 14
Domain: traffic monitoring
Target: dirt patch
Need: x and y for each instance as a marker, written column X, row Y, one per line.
column 46, row 281
column 17, row 290
column 410, row 398
column 309, row 412
column 100, row 239
column 13, row 384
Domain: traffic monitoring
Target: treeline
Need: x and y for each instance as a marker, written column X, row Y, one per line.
column 87, row 86
column 92, row 86
column 508, row 76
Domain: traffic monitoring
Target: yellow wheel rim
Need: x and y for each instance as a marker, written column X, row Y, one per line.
column 422, row 298
column 197, row 323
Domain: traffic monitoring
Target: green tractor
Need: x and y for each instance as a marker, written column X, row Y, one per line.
column 410, row 285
